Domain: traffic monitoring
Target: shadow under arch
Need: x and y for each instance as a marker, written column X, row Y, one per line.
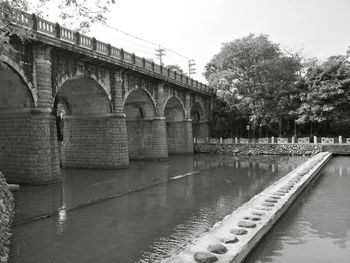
column 83, row 96
column 28, row 146
column 199, row 124
column 179, row 129
column 93, row 137
column 174, row 108
column 140, row 111
column 16, row 93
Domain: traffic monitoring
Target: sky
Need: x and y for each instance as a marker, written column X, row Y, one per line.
column 196, row 29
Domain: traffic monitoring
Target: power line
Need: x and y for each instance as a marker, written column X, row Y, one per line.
column 144, row 40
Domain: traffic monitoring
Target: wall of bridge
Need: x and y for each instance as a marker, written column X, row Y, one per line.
column 147, row 139
column 97, row 142
column 28, row 147
column 179, row 137
column 200, row 129
column 97, row 131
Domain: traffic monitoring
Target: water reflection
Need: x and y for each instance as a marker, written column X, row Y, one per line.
column 317, row 227
column 137, row 226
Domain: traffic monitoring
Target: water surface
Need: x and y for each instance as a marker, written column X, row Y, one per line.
column 317, row 227
column 141, row 214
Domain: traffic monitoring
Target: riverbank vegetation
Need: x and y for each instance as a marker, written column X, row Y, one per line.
column 264, row 90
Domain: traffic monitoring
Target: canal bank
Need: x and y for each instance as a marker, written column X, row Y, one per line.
column 233, row 238
column 259, row 149
column 6, row 218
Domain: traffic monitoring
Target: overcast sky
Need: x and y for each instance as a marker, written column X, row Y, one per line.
column 196, row 28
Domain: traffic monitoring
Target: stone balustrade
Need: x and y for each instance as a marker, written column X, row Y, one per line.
column 55, row 31
column 272, row 140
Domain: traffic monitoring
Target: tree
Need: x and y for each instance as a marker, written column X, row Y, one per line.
column 326, row 95
column 176, row 68
column 82, row 12
column 254, row 77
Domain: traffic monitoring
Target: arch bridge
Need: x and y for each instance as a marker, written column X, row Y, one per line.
column 65, row 97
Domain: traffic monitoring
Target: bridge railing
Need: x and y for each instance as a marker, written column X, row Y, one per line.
column 43, row 26
column 275, row 140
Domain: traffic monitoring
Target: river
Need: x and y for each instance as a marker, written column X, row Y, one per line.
column 317, row 227
column 141, row 214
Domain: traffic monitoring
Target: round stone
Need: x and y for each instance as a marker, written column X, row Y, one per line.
column 270, row 200
column 252, row 218
column 267, row 204
column 238, row 231
column 265, row 208
column 246, row 224
column 217, row 248
column 258, row 213
column 205, row 257
column 229, row 240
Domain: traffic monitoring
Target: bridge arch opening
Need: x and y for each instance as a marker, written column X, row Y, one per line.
column 83, row 96
column 198, row 119
column 85, row 124
column 27, row 133
column 15, row 93
column 177, row 127
column 140, row 111
column 174, row 110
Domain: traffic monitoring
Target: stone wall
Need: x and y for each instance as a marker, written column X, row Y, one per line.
column 200, row 129
column 95, row 142
column 259, row 149
column 140, row 138
column 6, row 218
column 28, row 147
column 179, row 134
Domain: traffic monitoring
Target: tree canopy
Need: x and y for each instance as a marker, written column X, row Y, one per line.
column 176, row 68
column 254, row 77
column 326, row 95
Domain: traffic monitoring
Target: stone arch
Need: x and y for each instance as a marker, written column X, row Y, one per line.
column 16, row 91
column 66, row 77
column 197, row 112
column 83, row 95
column 139, row 104
column 174, row 109
column 200, row 128
column 140, row 111
column 178, row 127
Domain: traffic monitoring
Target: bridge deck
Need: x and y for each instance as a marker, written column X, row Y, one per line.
column 56, row 35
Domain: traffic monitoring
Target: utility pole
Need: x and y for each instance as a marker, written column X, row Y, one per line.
column 191, row 68
column 160, row 53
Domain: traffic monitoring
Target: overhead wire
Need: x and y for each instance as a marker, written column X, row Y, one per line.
column 144, row 40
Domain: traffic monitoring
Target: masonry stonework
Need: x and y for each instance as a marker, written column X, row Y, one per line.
column 180, row 137
column 28, row 147
column 53, row 79
column 95, row 142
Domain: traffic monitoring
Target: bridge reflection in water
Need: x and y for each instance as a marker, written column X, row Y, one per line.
column 140, row 214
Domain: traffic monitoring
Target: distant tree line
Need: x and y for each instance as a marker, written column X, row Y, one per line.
column 277, row 92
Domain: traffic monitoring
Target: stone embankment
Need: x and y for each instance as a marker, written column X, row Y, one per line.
column 6, row 217
column 258, row 149
column 236, row 235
